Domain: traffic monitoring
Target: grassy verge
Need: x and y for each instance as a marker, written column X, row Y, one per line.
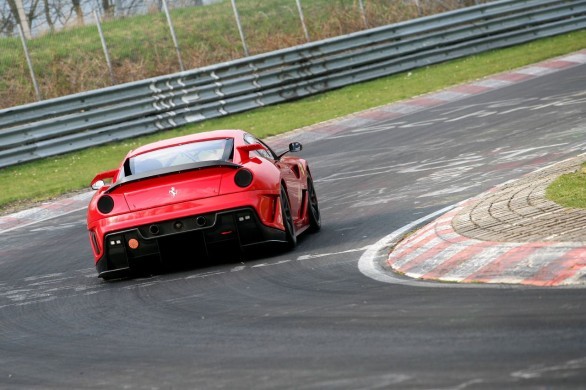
column 569, row 190
column 54, row 176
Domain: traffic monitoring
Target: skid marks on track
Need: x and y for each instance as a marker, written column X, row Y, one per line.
column 84, row 282
column 568, row 103
column 60, row 226
column 562, row 370
column 427, row 180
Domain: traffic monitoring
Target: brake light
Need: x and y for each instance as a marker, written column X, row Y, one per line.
column 243, row 178
column 105, row 204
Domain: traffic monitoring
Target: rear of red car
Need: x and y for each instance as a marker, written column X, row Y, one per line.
column 187, row 201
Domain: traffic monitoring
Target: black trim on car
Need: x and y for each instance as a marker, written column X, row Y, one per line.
column 237, row 229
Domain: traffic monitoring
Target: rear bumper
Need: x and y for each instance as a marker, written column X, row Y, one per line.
column 189, row 239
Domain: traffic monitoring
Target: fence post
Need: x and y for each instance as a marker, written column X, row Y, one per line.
column 363, row 13
column 103, row 40
column 302, row 20
column 240, row 28
column 30, row 63
column 166, row 9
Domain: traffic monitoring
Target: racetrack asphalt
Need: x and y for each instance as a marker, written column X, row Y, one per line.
column 510, row 234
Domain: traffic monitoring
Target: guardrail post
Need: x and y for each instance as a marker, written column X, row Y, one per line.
column 30, row 63
column 302, row 20
column 104, row 47
column 240, row 28
column 166, row 9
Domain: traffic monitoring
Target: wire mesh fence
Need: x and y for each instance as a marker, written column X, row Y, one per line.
column 79, row 45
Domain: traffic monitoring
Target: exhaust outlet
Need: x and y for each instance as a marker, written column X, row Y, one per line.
column 200, row 221
column 154, row 229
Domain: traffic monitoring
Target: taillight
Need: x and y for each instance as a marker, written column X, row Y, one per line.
column 243, row 178
column 105, row 204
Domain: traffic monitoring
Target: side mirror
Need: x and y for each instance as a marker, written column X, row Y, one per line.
column 295, row 147
column 98, row 184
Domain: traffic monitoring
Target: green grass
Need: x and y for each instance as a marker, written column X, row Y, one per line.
column 57, row 175
column 569, row 190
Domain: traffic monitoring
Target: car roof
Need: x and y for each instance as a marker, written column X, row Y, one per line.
column 186, row 139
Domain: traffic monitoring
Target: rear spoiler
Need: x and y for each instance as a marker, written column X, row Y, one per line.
column 173, row 170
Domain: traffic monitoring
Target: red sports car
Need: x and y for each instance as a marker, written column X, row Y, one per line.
column 194, row 196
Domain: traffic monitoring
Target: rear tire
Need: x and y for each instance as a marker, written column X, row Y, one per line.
column 313, row 207
column 288, row 220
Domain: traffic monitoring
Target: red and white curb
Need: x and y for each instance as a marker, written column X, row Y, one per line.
column 45, row 212
column 437, row 252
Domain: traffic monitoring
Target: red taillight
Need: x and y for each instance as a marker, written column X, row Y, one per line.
column 243, row 178
column 105, row 204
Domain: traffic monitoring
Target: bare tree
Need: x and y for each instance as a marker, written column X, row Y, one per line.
column 78, row 11
column 17, row 9
column 107, row 7
column 32, row 12
column 14, row 10
column 62, row 11
column 48, row 18
column 7, row 21
column 132, row 7
column 43, row 15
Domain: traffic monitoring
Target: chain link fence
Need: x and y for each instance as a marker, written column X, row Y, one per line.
column 51, row 48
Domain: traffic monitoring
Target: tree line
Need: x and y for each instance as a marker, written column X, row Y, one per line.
column 41, row 16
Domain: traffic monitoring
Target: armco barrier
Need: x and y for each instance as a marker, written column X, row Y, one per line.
column 78, row 121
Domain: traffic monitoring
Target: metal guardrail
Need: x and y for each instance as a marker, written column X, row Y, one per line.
column 91, row 118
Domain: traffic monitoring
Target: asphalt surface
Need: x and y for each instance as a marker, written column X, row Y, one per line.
column 309, row 318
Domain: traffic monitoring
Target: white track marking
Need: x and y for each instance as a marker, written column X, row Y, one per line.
column 44, row 219
column 368, row 261
column 315, row 256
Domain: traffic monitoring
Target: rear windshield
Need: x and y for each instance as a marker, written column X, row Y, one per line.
column 211, row 150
